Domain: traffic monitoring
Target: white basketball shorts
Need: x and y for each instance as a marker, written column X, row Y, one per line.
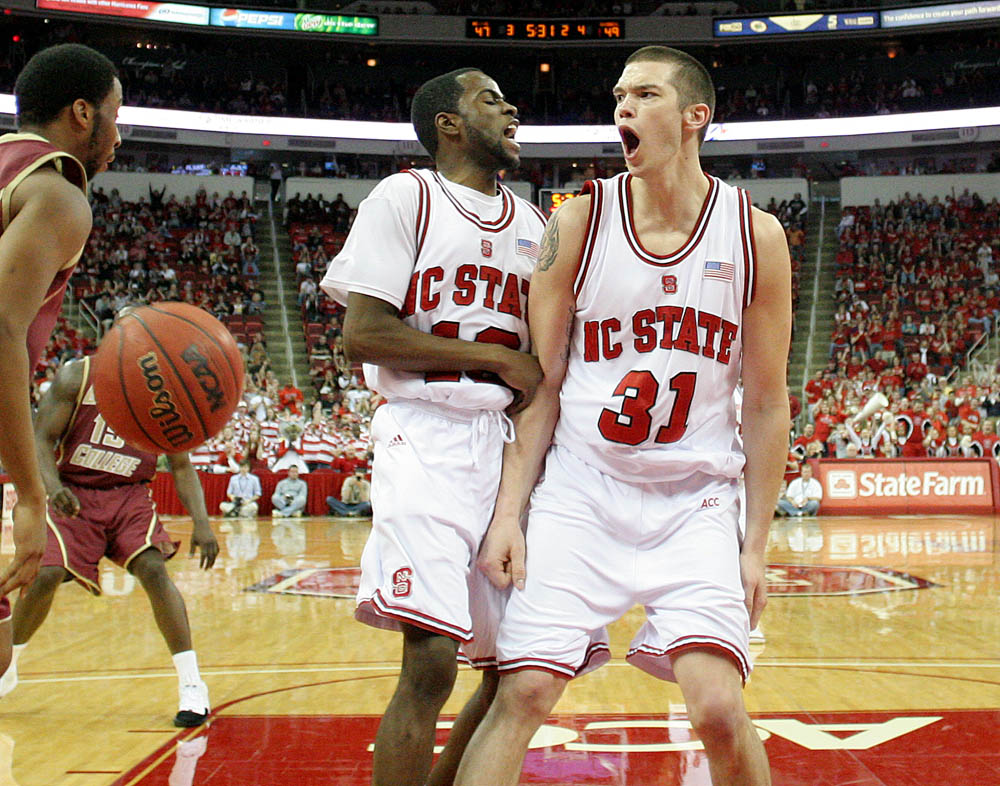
column 597, row 546
column 434, row 484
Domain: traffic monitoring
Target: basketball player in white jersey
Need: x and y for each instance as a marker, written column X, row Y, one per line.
column 435, row 276
column 655, row 291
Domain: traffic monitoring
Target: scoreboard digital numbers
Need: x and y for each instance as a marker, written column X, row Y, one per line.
column 550, row 199
column 545, row 29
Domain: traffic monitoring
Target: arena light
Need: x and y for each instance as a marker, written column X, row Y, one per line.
column 541, row 135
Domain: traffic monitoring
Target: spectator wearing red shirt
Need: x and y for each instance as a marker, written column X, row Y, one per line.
column 290, row 398
column 825, row 421
column 916, row 370
column 986, row 439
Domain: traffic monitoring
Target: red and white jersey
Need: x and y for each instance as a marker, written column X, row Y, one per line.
column 318, row 444
column 205, row 455
column 455, row 262
column 270, row 430
column 656, row 352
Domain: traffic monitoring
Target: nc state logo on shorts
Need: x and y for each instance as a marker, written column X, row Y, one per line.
column 401, row 585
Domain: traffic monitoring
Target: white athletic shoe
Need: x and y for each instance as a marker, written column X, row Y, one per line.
column 194, row 706
column 757, row 636
column 9, row 680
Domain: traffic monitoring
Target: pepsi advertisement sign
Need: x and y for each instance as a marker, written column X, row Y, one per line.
column 298, row 22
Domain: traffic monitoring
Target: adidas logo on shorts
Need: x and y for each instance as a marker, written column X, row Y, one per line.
column 396, row 441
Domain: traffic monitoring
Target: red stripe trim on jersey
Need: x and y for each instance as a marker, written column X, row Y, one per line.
column 506, row 214
column 745, row 241
column 596, row 191
column 753, row 251
column 684, row 643
column 423, row 211
column 749, row 249
column 697, row 233
column 419, row 619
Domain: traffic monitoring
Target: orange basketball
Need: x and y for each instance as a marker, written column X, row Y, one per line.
column 167, row 377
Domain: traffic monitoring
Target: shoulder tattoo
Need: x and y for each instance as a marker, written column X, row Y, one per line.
column 550, row 245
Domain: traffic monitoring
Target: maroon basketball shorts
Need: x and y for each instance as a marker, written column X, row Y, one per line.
column 118, row 523
column 4, row 609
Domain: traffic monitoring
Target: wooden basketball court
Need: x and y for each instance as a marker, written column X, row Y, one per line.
column 881, row 667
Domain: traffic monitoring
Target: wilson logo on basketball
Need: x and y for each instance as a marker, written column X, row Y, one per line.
column 401, row 583
column 207, row 379
column 164, row 412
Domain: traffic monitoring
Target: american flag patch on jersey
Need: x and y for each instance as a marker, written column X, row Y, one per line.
column 527, row 247
column 720, row 271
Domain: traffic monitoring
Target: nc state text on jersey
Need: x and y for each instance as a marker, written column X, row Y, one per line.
column 507, row 294
column 662, row 327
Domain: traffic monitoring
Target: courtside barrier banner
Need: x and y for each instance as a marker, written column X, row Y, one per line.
column 907, row 486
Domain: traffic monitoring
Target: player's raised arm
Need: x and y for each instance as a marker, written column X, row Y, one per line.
column 51, row 223
column 192, row 497
column 551, row 309
column 55, row 411
column 766, row 332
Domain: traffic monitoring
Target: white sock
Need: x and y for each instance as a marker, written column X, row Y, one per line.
column 186, row 664
column 17, row 650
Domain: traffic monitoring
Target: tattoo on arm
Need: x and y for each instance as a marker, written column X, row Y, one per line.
column 550, row 245
column 569, row 334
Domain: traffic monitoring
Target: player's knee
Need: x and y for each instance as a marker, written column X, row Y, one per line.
column 718, row 718
column 149, row 567
column 429, row 671
column 529, row 695
column 48, row 580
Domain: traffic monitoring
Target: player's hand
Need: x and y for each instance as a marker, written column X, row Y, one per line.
column 752, row 571
column 65, row 502
column 501, row 555
column 203, row 539
column 30, row 536
column 523, row 374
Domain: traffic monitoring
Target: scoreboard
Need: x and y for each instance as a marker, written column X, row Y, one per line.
column 545, row 29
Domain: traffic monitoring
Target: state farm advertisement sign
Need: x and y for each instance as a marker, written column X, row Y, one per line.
column 907, row 486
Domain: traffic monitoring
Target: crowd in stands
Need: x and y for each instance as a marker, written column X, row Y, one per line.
column 916, row 281
column 200, row 250
column 877, row 417
column 276, row 428
column 916, row 287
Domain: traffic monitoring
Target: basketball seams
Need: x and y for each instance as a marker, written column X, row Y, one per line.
column 168, row 359
column 238, row 378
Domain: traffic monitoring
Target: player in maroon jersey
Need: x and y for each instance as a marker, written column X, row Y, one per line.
column 67, row 101
column 100, row 506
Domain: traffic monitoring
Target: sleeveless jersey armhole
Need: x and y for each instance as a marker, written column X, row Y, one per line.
column 423, row 213
column 749, row 249
column 596, row 191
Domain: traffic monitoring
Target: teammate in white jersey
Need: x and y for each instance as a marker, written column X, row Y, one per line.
column 435, row 275
column 654, row 293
